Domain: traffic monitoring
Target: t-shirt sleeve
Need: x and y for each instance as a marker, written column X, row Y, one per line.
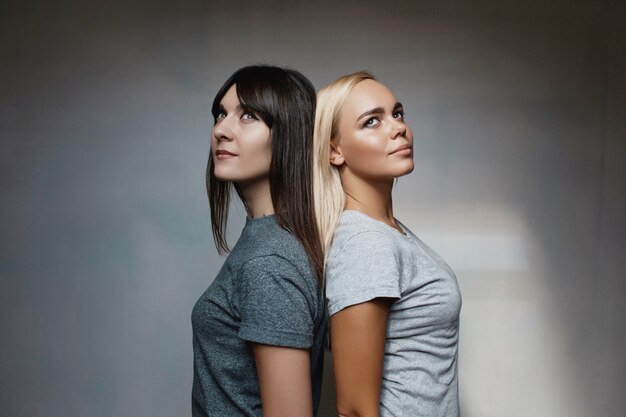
column 276, row 303
column 365, row 267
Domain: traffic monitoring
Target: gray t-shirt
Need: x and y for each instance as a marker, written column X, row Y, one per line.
column 370, row 259
column 266, row 292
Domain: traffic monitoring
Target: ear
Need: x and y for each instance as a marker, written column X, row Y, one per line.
column 336, row 155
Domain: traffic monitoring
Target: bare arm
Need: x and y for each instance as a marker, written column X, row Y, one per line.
column 358, row 348
column 284, row 380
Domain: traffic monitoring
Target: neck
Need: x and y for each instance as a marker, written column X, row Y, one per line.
column 369, row 197
column 257, row 197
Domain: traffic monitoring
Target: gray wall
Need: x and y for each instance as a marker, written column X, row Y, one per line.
column 519, row 114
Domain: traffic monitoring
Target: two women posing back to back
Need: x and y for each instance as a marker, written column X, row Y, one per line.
column 258, row 329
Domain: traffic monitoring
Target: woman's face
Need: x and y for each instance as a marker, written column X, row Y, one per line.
column 374, row 141
column 240, row 142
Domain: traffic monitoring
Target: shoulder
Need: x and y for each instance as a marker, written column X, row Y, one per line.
column 269, row 264
column 272, row 290
column 358, row 234
column 267, row 246
column 278, row 280
column 363, row 264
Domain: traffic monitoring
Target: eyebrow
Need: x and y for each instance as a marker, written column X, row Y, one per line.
column 379, row 110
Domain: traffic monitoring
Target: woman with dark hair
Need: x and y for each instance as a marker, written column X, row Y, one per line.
column 393, row 302
column 258, row 329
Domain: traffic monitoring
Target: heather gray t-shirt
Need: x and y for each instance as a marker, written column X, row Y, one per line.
column 266, row 292
column 370, row 259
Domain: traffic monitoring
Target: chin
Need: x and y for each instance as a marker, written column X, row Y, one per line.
column 404, row 170
column 239, row 175
column 224, row 175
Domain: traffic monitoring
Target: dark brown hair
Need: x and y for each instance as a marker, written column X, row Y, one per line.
column 284, row 100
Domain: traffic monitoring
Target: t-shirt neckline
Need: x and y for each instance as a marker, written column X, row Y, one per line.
column 260, row 219
column 404, row 234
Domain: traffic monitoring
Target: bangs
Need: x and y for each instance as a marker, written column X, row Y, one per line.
column 259, row 90
column 259, row 94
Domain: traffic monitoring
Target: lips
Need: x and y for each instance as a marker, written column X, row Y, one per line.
column 405, row 149
column 224, row 154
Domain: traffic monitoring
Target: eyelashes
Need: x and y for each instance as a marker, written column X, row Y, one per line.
column 246, row 115
column 375, row 121
column 371, row 122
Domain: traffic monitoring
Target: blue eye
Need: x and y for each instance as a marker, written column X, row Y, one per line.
column 248, row 116
column 373, row 122
column 219, row 116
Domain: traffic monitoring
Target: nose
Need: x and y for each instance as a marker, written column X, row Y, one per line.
column 223, row 129
column 398, row 129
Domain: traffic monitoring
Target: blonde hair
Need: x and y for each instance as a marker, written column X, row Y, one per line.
column 328, row 194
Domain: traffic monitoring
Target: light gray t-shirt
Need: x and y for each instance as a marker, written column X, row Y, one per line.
column 370, row 259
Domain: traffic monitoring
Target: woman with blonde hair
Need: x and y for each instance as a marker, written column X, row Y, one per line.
column 394, row 304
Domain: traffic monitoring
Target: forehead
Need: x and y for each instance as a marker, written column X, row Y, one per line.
column 366, row 95
column 230, row 99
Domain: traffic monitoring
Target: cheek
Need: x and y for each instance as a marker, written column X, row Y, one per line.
column 257, row 161
column 364, row 150
column 256, row 154
column 257, row 148
column 367, row 156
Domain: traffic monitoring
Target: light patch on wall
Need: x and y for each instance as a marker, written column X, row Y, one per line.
column 509, row 331
column 481, row 250
column 473, row 239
